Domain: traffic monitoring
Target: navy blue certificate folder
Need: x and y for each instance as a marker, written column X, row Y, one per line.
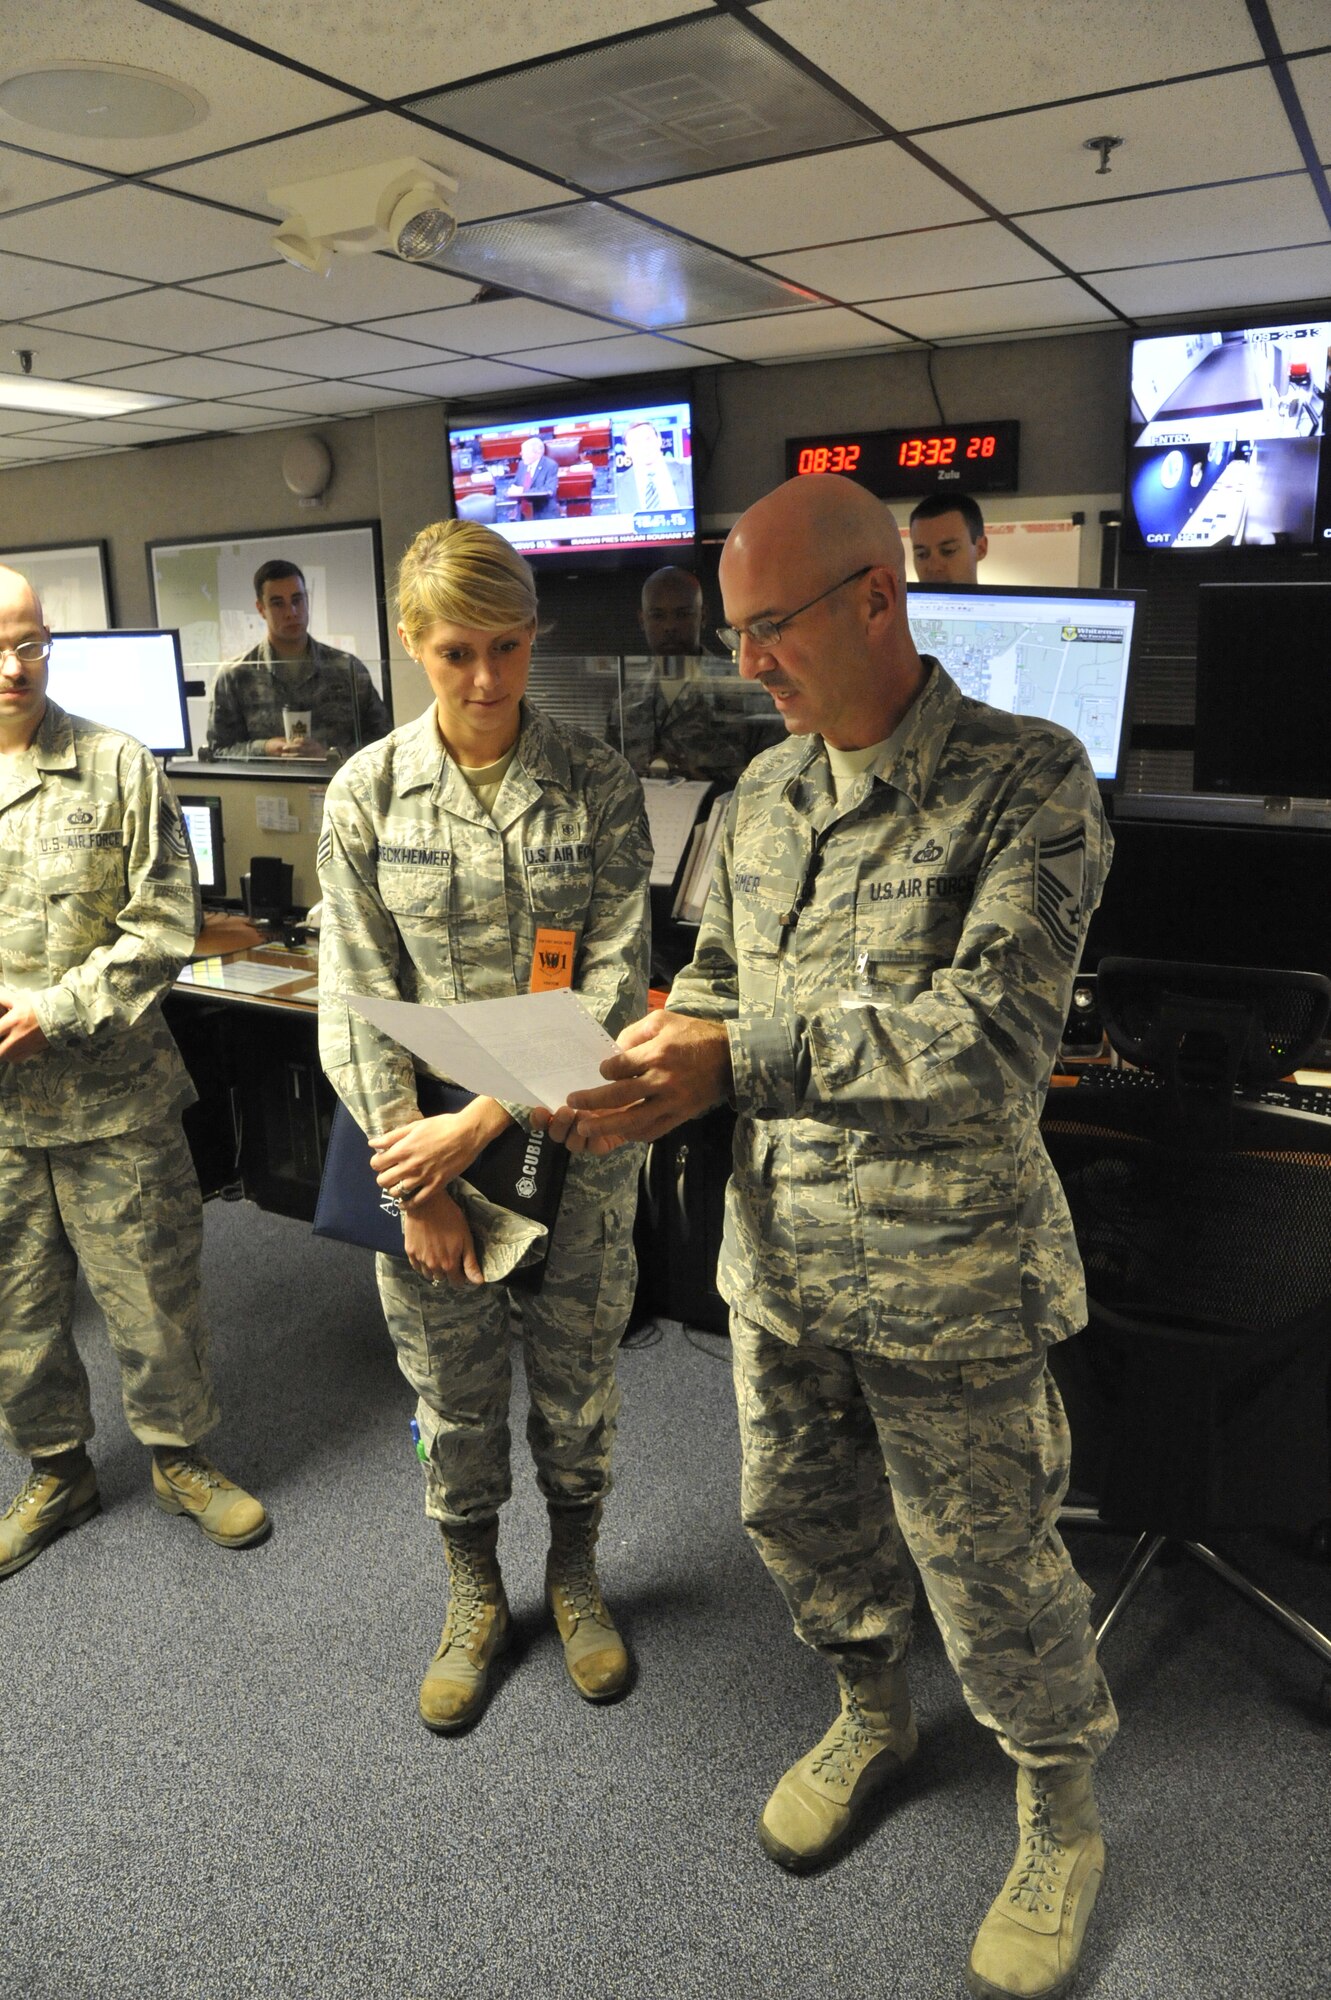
column 521, row 1171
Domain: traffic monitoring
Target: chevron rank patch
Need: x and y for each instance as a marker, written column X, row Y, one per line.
column 1060, row 887
column 325, row 849
column 171, row 830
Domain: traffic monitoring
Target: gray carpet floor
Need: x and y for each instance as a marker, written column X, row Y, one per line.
column 215, row 1786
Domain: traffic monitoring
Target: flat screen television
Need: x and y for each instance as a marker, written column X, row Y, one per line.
column 203, row 829
column 127, row 680
column 1263, row 714
column 1227, row 443
column 612, row 483
column 1066, row 655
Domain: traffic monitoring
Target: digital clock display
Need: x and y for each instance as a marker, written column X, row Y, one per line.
column 976, row 458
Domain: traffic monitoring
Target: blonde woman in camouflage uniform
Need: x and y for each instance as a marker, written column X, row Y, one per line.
column 99, row 909
column 879, row 985
column 446, row 849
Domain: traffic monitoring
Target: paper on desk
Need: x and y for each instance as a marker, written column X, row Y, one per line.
column 532, row 1048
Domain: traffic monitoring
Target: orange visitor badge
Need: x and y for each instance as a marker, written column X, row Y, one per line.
column 552, row 960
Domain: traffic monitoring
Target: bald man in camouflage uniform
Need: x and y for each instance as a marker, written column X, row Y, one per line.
column 99, row 908
column 881, row 977
column 432, row 895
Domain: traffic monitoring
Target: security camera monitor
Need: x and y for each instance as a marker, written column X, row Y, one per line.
column 1066, row 655
column 203, row 830
column 612, row 482
column 1263, row 710
column 1227, row 442
column 126, row 680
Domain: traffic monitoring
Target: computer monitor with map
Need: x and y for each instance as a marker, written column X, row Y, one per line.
column 1066, row 655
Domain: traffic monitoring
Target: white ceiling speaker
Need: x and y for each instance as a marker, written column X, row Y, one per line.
column 307, row 470
column 398, row 205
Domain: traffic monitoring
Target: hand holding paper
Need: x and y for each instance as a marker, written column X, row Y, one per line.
column 531, row 1048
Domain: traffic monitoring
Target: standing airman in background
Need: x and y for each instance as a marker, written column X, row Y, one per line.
column 99, row 908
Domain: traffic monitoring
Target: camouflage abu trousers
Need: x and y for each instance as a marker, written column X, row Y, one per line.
column 852, row 1465
column 453, row 1347
column 127, row 1208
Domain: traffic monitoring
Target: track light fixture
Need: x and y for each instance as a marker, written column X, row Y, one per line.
column 397, row 205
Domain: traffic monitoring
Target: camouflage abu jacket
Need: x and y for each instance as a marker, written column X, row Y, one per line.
column 896, row 972
column 428, row 897
column 250, row 694
column 99, row 909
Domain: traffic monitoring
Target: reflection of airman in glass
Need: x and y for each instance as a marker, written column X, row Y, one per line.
column 534, row 487
column 687, row 726
column 290, row 696
column 947, row 539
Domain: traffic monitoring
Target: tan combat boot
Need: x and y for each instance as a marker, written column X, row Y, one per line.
column 475, row 1632
column 1030, row 1942
column 594, row 1653
column 184, row 1482
column 45, row 1505
column 817, row 1802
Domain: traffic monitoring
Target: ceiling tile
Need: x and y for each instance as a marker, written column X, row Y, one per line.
column 500, row 327
column 795, row 336
column 20, row 450
column 593, row 257
column 138, row 231
column 1216, row 283
column 970, row 253
column 961, row 60
column 62, row 355
column 118, row 433
column 29, row 286
column 625, row 354
column 486, row 186
column 861, row 191
column 432, row 45
column 327, row 399
column 185, row 320
column 13, row 422
column 357, row 288
column 466, row 378
column 1205, row 222
column 1222, row 128
column 1312, row 80
column 188, row 419
column 1301, row 24
column 340, row 350
column 249, row 96
column 689, row 97
column 997, row 309
column 24, row 179
column 196, row 376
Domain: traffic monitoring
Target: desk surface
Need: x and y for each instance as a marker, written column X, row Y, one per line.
column 263, row 975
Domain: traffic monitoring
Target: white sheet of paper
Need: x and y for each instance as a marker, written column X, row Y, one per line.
column 531, row 1048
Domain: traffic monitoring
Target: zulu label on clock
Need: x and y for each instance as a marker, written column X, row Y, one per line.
column 975, row 458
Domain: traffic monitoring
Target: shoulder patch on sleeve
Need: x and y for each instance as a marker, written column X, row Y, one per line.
column 324, row 850
column 1060, row 888
column 171, row 830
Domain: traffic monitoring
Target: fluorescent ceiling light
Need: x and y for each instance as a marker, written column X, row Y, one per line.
column 75, row 399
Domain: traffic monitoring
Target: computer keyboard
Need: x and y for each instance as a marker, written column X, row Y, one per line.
column 1313, row 1097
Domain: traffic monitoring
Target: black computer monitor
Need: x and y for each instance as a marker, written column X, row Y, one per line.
column 203, row 827
column 1263, row 690
column 126, row 680
column 1066, row 655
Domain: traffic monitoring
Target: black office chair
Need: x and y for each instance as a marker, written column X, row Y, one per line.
column 1198, row 1394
